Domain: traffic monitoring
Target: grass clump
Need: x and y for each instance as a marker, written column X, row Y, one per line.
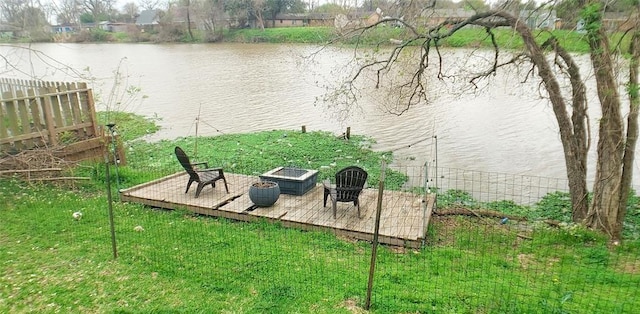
column 129, row 126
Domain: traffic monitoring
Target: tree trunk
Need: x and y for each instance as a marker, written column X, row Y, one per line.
column 578, row 146
column 573, row 130
column 189, row 20
column 632, row 126
column 260, row 19
column 604, row 212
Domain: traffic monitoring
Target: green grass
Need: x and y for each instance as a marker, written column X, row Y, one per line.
column 50, row 262
column 128, row 126
column 184, row 263
column 307, row 35
column 379, row 36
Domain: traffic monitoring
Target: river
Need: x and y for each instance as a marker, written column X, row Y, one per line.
column 236, row 88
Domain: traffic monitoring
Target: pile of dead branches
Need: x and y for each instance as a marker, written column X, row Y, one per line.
column 36, row 165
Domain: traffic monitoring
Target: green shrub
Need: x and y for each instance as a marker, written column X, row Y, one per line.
column 556, row 206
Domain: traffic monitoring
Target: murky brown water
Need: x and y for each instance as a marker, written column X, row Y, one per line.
column 245, row 87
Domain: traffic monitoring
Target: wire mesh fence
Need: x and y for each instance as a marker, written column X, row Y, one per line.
column 294, row 255
column 495, row 186
column 223, row 254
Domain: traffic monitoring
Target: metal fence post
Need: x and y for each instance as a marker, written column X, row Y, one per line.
column 110, row 201
column 374, row 249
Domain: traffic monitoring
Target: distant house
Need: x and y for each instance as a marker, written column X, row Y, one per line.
column 545, row 19
column 320, row 19
column 298, row 20
column 64, row 28
column 180, row 15
column 148, row 19
column 9, row 31
column 357, row 19
column 113, row 27
column 368, row 18
column 539, row 19
column 438, row 16
column 618, row 22
column 288, row 20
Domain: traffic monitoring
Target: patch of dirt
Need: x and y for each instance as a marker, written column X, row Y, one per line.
column 525, row 260
column 347, row 238
column 352, row 306
column 629, row 266
column 444, row 230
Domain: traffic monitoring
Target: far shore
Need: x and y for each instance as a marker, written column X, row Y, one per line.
column 381, row 36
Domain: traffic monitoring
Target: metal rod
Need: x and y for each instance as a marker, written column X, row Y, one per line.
column 195, row 153
column 374, row 249
column 435, row 202
column 111, row 127
column 110, row 201
column 425, row 203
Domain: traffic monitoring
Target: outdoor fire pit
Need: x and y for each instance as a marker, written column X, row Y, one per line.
column 294, row 181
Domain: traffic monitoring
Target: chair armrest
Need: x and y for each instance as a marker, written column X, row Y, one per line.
column 211, row 170
column 203, row 163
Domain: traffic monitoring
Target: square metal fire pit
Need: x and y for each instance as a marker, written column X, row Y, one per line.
column 294, row 181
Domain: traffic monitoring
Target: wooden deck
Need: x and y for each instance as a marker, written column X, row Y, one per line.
column 404, row 217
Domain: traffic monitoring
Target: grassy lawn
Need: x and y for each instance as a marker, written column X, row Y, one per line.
column 173, row 261
column 466, row 38
column 185, row 263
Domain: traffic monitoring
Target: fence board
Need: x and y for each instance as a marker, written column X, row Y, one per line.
column 90, row 109
column 75, row 105
column 12, row 115
column 54, row 102
column 49, row 116
column 25, row 120
column 37, row 114
column 65, row 104
column 3, row 124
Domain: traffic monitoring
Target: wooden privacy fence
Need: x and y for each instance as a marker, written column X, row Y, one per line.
column 35, row 114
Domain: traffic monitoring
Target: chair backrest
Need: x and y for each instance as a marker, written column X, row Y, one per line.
column 349, row 183
column 186, row 164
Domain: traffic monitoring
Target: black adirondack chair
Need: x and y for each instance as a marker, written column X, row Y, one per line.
column 204, row 176
column 349, row 183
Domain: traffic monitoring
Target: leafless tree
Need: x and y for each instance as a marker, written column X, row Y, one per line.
column 67, row 11
column 10, row 10
column 27, row 16
column 131, row 10
column 149, row 4
column 418, row 59
column 97, row 7
column 211, row 12
column 258, row 8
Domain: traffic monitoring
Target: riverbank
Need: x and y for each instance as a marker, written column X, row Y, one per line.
column 388, row 36
column 380, row 36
